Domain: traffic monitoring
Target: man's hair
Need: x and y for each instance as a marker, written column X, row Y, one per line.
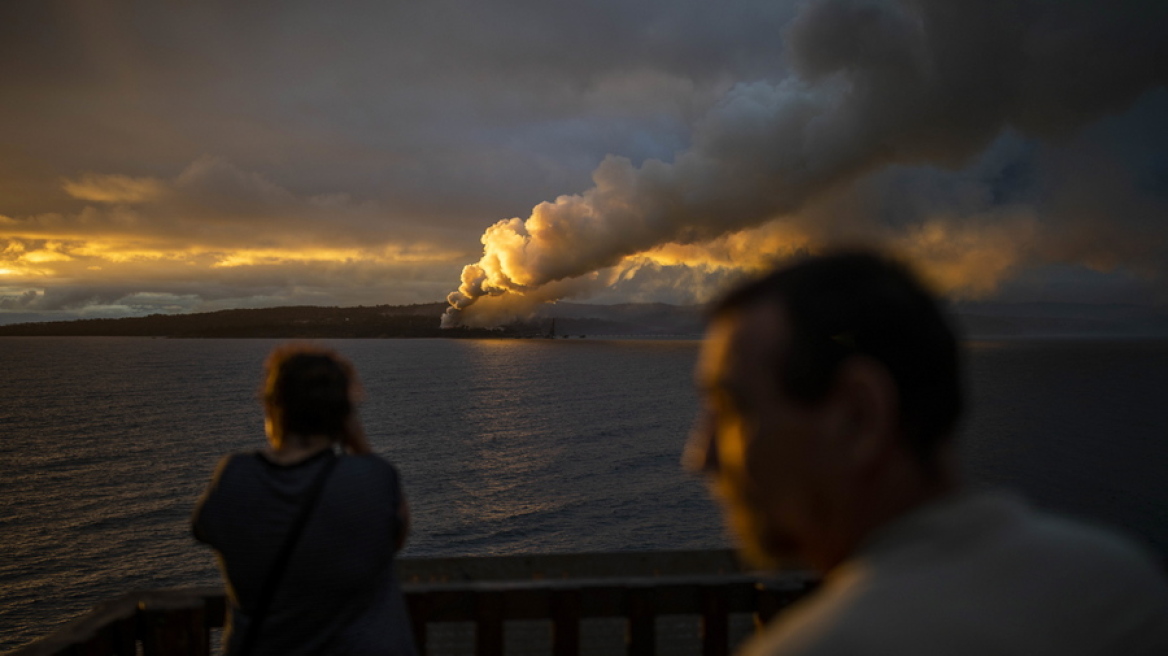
column 313, row 390
column 859, row 303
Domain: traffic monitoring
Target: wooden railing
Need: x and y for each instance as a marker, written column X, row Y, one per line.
column 179, row 622
column 639, row 601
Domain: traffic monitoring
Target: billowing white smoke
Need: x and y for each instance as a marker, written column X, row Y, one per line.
column 875, row 82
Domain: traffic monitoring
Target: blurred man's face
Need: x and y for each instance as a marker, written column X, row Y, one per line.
column 766, row 454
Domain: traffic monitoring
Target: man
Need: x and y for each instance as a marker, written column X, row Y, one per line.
column 832, row 390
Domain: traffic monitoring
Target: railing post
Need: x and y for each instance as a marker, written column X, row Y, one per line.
column 488, row 624
column 114, row 639
column 419, row 605
column 769, row 600
column 172, row 629
column 566, row 623
column 642, row 627
column 715, row 621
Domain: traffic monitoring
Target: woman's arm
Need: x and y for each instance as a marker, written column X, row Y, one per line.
column 205, row 514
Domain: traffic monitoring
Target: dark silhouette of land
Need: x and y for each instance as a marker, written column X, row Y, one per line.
column 378, row 321
column 298, row 322
column 977, row 320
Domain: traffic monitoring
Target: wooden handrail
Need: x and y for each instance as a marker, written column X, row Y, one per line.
column 562, row 589
column 177, row 622
column 162, row 621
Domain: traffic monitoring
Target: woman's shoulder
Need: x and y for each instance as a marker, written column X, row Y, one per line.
column 369, row 464
column 241, row 459
column 241, row 463
column 371, row 472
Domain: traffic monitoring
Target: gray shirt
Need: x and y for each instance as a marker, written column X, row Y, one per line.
column 981, row 574
column 339, row 594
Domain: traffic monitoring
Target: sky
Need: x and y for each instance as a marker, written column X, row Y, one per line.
column 181, row 155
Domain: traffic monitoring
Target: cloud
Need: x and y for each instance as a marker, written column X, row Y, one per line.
column 452, row 109
column 20, row 301
column 215, row 235
column 212, row 202
column 876, row 84
column 114, row 188
column 254, row 153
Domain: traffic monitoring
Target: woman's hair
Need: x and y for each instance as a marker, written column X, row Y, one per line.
column 309, row 390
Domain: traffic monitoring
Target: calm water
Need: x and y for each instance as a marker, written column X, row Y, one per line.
column 505, row 447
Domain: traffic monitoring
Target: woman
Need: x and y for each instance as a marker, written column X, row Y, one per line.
column 331, row 589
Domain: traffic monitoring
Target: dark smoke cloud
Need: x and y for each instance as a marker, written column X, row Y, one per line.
column 875, row 84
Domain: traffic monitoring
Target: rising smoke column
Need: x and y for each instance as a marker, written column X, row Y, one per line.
column 875, row 83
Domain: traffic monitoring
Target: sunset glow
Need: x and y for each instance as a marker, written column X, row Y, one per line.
column 395, row 155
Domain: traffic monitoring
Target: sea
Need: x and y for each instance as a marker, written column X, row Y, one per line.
column 505, row 447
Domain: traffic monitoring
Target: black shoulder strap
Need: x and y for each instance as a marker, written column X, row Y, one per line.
column 276, row 573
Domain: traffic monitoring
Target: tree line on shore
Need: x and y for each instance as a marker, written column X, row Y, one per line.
column 294, row 322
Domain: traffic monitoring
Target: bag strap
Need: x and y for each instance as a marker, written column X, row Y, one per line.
column 276, row 572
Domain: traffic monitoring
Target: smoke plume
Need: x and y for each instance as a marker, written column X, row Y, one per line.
column 870, row 84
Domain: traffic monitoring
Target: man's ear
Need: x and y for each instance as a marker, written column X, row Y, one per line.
column 865, row 408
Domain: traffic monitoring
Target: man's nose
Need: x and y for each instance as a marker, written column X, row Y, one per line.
column 701, row 452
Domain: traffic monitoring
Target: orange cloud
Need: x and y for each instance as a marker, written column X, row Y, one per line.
column 114, row 188
column 967, row 260
column 753, row 249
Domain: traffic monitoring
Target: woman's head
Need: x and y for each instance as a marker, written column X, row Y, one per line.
column 308, row 390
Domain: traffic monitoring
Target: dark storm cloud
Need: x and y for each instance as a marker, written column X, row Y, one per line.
column 454, row 109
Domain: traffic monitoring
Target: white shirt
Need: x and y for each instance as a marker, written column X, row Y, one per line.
column 981, row 574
